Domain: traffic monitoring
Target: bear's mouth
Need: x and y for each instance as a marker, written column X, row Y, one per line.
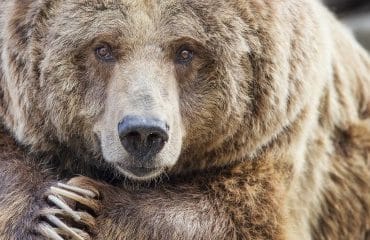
column 140, row 173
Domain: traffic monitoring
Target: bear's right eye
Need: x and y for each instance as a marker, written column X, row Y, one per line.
column 104, row 53
column 184, row 55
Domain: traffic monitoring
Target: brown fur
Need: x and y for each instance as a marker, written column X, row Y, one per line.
column 272, row 114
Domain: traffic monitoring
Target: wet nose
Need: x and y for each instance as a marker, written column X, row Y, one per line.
column 143, row 137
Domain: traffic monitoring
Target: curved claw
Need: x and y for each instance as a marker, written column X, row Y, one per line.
column 62, row 205
column 84, row 218
column 61, row 231
column 89, row 202
column 64, row 228
column 49, row 232
column 81, row 191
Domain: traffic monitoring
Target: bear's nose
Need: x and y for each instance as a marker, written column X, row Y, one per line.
column 143, row 137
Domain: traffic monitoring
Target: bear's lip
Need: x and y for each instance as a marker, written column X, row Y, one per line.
column 140, row 173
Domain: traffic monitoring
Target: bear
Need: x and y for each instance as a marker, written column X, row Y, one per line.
column 182, row 119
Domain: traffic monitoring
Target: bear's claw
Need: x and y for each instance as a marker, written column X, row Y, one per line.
column 57, row 220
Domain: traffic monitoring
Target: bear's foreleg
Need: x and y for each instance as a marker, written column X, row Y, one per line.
column 240, row 203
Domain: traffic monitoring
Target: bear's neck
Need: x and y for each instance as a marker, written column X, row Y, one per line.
column 331, row 141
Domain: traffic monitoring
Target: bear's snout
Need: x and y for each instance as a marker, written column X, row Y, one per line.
column 143, row 137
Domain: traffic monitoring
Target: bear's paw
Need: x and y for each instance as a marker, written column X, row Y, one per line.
column 71, row 210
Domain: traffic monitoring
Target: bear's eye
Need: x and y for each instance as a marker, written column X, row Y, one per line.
column 104, row 53
column 184, row 55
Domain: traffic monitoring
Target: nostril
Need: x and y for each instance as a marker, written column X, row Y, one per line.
column 153, row 137
column 156, row 141
column 131, row 141
column 133, row 135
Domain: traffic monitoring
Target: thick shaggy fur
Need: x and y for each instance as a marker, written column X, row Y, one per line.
column 273, row 113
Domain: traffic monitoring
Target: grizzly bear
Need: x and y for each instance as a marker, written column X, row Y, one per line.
column 182, row 119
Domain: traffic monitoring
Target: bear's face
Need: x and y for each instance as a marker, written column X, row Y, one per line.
column 141, row 81
column 152, row 86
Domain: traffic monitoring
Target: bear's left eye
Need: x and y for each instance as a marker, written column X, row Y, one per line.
column 184, row 55
column 104, row 53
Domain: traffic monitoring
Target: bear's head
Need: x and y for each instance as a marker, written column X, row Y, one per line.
column 152, row 86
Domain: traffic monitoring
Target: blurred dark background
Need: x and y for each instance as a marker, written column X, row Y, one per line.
column 355, row 14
